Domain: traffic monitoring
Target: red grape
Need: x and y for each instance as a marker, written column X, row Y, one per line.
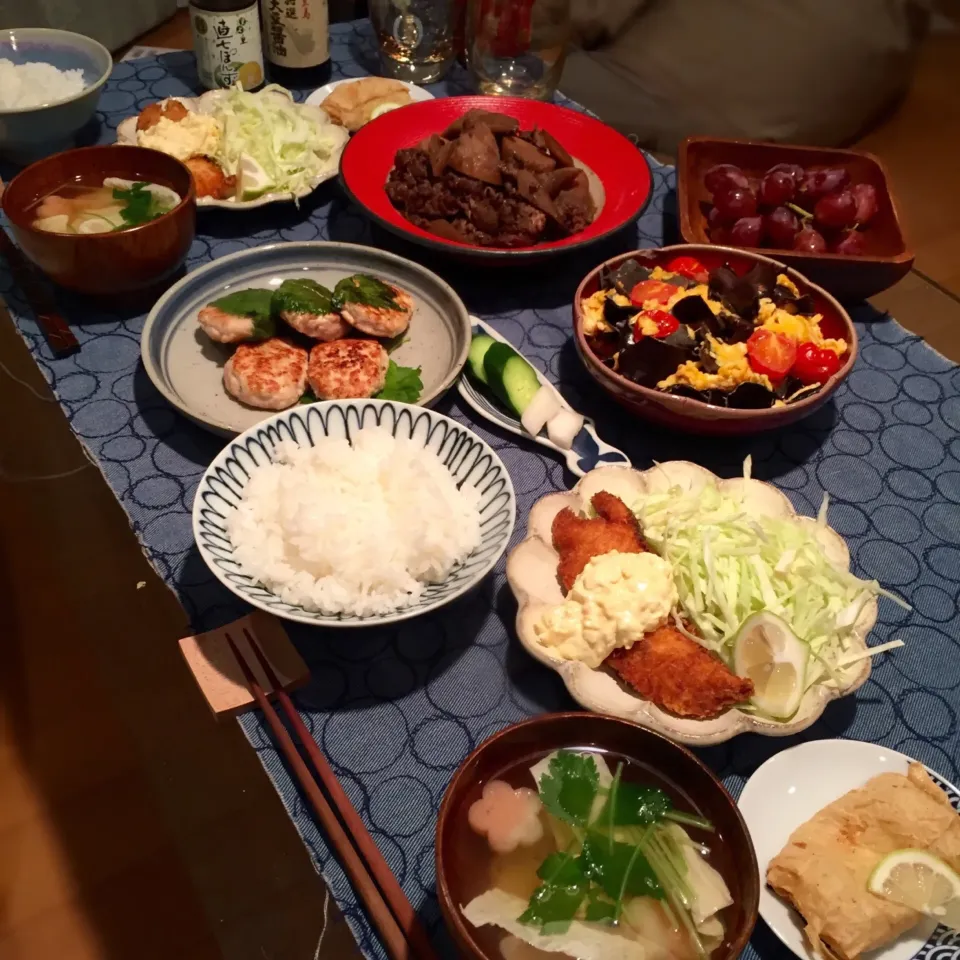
column 721, row 176
column 734, row 203
column 809, row 240
column 781, row 226
column 866, row 196
column 792, row 169
column 836, row 210
column 818, row 183
column 747, row 232
column 716, row 228
column 777, row 187
column 850, row 244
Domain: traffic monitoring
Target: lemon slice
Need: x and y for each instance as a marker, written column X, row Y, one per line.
column 921, row 881
column 384, row 108
column 768, row 652
column 252, row 180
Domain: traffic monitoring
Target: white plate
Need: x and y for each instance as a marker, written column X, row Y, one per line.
column 321, row 93
column 532, row 575
column 788, row 790
column 127, row 136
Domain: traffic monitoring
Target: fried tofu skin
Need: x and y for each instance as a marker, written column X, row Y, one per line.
column 579, row 539
column 679, row 675
column 210, row 180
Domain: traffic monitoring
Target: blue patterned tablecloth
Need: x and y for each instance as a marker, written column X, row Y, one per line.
column 397, row 710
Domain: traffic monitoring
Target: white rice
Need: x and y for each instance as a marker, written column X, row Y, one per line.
column 356, row 530
column 33, row 84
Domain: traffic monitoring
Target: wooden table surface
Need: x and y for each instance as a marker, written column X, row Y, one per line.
column 131, row 824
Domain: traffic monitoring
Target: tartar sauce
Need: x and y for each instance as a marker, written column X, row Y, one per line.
column 196, row 135
column 616, row 600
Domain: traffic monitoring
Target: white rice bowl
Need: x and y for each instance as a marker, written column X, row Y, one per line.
column 353, row 529
column 297, row 522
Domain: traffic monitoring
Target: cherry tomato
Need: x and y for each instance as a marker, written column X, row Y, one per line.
column 771, row 353
column 815, row 364
column 689, row 267
column 666, row 324
column 652, row 290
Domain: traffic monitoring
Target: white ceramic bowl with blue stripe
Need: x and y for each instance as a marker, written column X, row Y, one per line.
column 471, row 462
column 27, row 133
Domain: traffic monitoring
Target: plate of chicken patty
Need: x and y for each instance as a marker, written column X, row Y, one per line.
column 289, row 323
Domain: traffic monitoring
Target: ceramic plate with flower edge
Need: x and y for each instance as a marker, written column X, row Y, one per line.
column 793, row 786
column 127, row 136
column 532, row 574
column 588, row 450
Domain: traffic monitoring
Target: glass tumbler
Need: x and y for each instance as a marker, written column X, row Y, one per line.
column 516, row 48
column 415, row 38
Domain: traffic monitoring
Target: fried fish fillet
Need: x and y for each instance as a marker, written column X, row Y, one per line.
column 579, row 539
column 678, row 675
column 824, row 868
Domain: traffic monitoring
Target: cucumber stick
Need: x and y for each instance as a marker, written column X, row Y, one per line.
column 479, row 346
column 510, row 377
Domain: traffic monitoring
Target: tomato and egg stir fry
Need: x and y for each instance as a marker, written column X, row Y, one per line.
column 748, row 341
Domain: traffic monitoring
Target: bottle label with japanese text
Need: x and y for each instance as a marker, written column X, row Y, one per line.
column 228, row 46
column 297, row 32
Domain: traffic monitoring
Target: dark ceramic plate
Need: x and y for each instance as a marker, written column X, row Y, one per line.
column 886, row 258
column 460, row 850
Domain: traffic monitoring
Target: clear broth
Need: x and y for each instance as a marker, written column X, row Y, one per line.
column 79, row 208
column 516, row 872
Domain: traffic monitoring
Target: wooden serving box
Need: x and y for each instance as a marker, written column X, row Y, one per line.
column 886, row 258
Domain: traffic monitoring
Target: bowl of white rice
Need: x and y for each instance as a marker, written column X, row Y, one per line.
column 50, row 83
column 351, row 513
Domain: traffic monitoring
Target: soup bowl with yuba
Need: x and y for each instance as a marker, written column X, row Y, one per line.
column 589, row 837
column 106, row 221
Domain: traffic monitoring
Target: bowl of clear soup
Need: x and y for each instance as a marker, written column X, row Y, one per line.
column 578, row 836
column 107, row 221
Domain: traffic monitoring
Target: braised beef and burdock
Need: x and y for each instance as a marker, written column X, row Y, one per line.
column 486, row 182
column 746, row 341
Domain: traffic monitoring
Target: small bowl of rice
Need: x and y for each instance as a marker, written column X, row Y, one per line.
column 353, row 513
column 50, row 83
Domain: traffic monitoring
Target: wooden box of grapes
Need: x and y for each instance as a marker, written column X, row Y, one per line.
column 828, row 213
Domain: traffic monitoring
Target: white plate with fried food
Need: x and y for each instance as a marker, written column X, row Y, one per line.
column 675, row 675
column 357, row 100
column 265, row 330
column 822, row 816
column 244, row 149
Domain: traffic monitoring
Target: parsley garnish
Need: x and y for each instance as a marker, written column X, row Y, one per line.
column 402, row 384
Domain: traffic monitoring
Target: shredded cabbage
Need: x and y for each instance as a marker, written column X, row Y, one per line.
column 729, row 565
column 292, row 143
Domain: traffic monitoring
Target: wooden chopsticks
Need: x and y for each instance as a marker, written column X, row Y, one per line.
column 399, row 927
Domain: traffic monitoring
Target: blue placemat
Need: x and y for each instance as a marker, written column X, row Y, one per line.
column 397, row 710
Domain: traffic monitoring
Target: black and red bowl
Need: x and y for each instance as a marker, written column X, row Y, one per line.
column 620, row 169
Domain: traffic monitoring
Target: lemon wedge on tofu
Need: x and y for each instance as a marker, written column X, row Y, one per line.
column 252, row 180
column 770, row 654
column 919, row 880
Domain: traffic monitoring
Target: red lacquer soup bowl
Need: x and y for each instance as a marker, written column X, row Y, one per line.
column 619, row 174
column 687, row 413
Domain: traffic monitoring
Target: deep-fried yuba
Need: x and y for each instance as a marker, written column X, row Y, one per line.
column 579, row 539
column 210, row 179
column 150, row 115
column 679, row 675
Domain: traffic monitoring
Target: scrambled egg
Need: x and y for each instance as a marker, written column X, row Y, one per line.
column 784, row 281
column 196, row 135
column 699, row 291
column 592, row 306
column 733, row 369
column 801, row 329
column 616, row 600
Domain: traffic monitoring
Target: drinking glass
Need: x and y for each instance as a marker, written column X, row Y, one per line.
column 517, row 48
column 415, row 38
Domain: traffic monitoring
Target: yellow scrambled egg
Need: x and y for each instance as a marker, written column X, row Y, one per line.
column 801, row 329
column 733, row 368
column 592, row 307
column 196, row 135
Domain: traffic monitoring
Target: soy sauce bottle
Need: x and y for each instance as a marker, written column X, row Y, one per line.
column 227, row 43
column 297, row 39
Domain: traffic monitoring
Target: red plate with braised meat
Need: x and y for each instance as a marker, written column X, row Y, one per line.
column 495, row 177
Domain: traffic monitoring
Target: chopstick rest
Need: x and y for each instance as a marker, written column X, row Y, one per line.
column 219, row 676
